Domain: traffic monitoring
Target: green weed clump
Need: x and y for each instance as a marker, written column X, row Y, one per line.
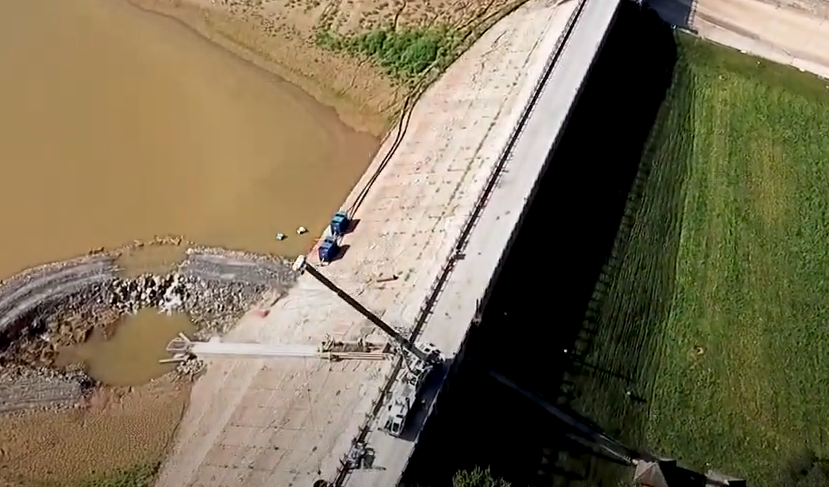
column 139, row 476
column 404, row 54
column 142, row 475
column 477, row 478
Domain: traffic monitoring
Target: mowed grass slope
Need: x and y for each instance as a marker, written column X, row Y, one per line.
column 744, row 376
column 715, row 305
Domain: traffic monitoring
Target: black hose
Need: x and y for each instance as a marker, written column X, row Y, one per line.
column 402, row 126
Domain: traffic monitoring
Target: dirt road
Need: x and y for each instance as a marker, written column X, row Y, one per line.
column 794, row 32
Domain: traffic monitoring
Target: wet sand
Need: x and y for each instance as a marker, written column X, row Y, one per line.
column 119, row 124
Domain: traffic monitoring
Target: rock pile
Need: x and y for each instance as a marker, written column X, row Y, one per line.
column 222, row 285
column 214, row 307
column 166, row 292
column 191, row 369
column 35, row 291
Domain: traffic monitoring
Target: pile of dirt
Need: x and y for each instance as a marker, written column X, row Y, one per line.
column 222, row 285
column 27, row 298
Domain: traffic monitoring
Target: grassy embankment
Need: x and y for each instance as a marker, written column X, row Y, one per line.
column 413, row 56
column 717, row 308
column 139, row 476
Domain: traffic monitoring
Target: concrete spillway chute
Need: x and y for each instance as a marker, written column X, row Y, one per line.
column 182, row 349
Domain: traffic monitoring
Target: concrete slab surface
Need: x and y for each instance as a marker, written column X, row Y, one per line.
column 288, row 422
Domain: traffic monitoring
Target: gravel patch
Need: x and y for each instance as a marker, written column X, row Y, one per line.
column 222, row 285
column 40, row 388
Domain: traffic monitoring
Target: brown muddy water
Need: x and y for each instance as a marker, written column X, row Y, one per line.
column 130, row 354
column 119, row 124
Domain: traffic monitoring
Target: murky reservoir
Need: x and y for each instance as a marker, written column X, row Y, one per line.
column 118, row 124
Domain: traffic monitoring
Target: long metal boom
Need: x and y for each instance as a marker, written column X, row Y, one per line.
column 596, row 437
column 403, row 341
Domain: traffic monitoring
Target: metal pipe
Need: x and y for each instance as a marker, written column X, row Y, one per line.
column 586, row 431
column 403, row 341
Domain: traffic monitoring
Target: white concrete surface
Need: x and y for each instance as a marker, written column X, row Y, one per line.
column 489, row 239
column 288, row 422
column 778, row 31
column 260, row 350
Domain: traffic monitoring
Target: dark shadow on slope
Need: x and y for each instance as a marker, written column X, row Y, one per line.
column 806, row 469
column 533, row 328
column 632, row 298
column 680, row 13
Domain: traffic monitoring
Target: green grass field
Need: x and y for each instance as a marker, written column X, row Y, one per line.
column 717, row 308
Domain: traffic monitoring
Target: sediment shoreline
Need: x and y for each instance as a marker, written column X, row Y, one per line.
column 361, row 95
column 58, row 305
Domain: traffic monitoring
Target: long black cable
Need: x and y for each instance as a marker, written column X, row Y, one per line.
column 402, row 126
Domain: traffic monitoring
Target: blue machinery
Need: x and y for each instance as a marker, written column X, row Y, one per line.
column 328, row 250
column 339, row 224
column 330, row 247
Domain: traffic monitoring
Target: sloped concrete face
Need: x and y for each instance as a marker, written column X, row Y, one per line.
column 253, row 422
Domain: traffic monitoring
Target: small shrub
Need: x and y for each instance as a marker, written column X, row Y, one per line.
column 404, row 54
column 477, row 478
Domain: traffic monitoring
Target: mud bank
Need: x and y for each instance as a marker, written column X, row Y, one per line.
column 59, row 305
column 153, row 130
column 284, row 38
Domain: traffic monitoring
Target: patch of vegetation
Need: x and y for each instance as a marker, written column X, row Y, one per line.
column 477, row 478
column 717, row 311
column 807, row 470
column 744, row 354
column 404, row 54
column 138, row 476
